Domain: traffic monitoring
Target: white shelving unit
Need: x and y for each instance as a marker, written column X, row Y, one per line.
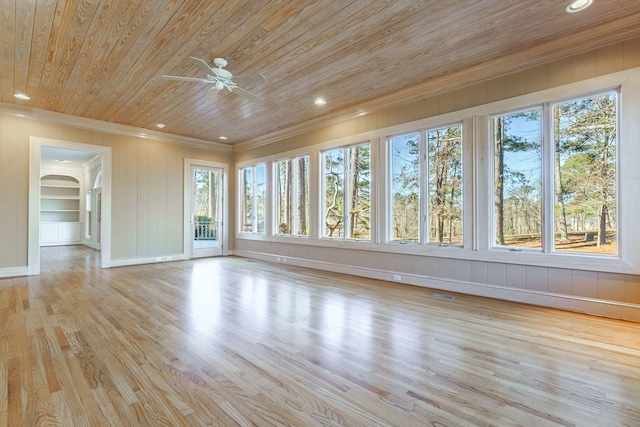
column 59, row 210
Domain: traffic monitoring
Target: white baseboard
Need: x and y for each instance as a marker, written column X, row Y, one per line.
column 146, row 260
column 604, row 308
column 14, row 272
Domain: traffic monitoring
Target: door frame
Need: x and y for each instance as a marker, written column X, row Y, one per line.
column 33, row 246
column 187, row 247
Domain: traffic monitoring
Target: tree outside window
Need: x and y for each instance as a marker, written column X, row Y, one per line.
column 585, row 174
column 517, row 164
column 405, row 188
column 583, row 156
column 253, row 184
column 292, row 196
column 347, row 192
column 442, row 188
column 445, row 185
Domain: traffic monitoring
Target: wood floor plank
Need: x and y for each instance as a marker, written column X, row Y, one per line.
column 234, row 342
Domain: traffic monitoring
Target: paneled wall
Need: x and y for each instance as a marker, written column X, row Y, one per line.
column 602, row 293
column 147, row 189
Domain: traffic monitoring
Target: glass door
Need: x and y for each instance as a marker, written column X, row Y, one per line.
column 206, row 211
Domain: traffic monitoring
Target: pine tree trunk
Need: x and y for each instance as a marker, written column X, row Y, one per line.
column 562, row 217
column 353, row 187
column 302, row 198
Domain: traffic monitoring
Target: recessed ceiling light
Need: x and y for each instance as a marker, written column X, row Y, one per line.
column 578, row 5
column 22, row 96
column 222, row 138
column 320, row 101
column 160, row 125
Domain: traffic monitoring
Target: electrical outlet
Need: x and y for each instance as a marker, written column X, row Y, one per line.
column 397, row 277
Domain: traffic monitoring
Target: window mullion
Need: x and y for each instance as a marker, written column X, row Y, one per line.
column 548, row 178
column 424, row 187
column 346, row 192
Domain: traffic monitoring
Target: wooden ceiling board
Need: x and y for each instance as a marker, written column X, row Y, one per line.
column 103, row 59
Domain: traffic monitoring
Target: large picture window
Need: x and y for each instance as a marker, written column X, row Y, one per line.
column 441, row 187
column 585, row 174
column 347, row 192
column 582, row 177
column 292, row 196
column 252, row 209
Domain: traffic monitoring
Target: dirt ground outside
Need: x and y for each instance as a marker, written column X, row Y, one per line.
column 579, row 241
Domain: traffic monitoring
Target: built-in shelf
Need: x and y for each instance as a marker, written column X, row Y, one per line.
column 59, row 210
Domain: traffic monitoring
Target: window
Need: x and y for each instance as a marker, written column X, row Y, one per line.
column 292, row 196
column 441, row 188
column 405, row 188
column 252, row 209
column 347, row 192
column 517, row 165
column 445, row 185
column 585, row 174
column 582, row 177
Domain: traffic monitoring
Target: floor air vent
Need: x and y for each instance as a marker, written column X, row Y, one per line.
column 443, row 296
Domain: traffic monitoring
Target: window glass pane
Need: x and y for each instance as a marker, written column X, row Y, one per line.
column 302, row 195
column 283, row 197
column 585, row 175
column 247, row 200
column 260, row 196
column 292, row 196
column 518, row 179
column 445, row 185
column 360, row 192
column 405, row 188
column 334, row 193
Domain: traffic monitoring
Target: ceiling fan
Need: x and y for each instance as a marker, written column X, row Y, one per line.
column 221, row 79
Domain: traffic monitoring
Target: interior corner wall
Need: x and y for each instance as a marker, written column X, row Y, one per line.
column 601, row 293
column 147, row 189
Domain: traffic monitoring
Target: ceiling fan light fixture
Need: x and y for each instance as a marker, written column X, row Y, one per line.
column 578, row 5
column 320, row 101
column 22, row 96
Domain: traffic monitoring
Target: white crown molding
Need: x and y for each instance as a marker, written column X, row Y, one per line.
column 108, row 127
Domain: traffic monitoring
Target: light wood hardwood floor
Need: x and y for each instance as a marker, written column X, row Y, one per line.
column 229, row 341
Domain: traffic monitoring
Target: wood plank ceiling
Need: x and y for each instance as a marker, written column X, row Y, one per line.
column 103, row 59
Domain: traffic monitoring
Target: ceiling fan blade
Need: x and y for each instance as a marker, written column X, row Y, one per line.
column 185, row 79
column 203, row 65
column 250, row 79
column 246, row 94
column 212, row 94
